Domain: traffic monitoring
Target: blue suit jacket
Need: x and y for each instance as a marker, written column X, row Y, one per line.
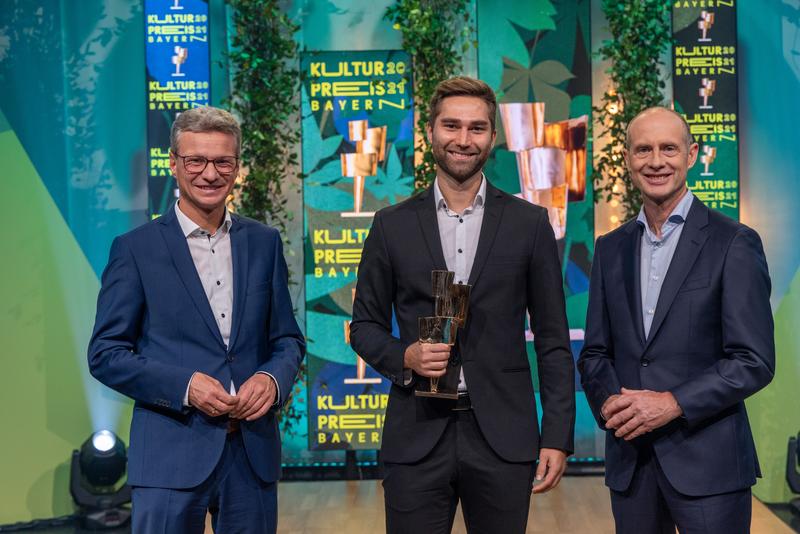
column 711, row 344
column 155, row 327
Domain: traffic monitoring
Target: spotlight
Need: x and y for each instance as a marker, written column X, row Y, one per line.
column 95, row 473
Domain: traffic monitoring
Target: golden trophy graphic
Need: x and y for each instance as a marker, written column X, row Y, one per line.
column 179, row 59
column 176, row 5
column 551, row 158
column 361, row 365
column 708, row 157
column 451, row 302
column 704, row 24
column 370, row 150
column 707, row 89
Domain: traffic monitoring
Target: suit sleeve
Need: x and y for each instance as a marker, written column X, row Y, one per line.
column 285, row 339
column 748, row 361
column 547, row 309
column 371, row 327
column 596, row 363
column 113, row 356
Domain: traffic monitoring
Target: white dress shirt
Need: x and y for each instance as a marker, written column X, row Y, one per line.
column 459, row 235
column 213, row 260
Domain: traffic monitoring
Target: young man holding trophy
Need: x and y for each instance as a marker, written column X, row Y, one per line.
column 460, row 266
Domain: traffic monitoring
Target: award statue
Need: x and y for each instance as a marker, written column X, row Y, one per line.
column 708, row 157
column 181, row 54
column 451, row 302
column 358, row 165
column 704, row 24
column 361, row 365
column 707, row 89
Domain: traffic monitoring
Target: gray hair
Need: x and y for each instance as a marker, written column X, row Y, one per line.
column 647, row 111
column 205, row 119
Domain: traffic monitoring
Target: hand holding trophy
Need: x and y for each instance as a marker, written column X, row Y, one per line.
column 450, row 313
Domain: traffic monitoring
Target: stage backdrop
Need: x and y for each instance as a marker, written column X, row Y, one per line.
column 73, row 140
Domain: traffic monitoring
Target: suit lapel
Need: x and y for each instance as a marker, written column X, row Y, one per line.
column 691, row 242
column 426, row 211
column 493, row 211
column 239, row 248
column 182, row 259
column 631, row 254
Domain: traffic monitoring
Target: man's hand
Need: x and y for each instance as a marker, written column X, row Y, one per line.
column 610, row 407
column 256, row 397
column 427, row 359
column 552, row 463
column 207, row 395
column 638, row 411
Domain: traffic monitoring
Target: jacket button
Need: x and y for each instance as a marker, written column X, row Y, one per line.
column 229, row 357
column 645, row 362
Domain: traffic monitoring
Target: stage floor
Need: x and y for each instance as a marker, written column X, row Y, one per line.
column 578, row 505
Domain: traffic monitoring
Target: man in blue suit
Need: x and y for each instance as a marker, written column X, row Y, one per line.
column 679, row 333
column 194, row 322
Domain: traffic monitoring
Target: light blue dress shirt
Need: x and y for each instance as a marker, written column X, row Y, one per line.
column 656, row 255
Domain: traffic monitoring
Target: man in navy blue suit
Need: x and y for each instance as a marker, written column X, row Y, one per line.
column 679, row 333
column 195, row 324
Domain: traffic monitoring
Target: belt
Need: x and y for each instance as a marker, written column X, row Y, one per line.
column 233, row 426
column 462, row 403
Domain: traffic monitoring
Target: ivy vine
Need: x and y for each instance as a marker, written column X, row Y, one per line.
column 265, row 88
column 436, row 33
column 641, row 32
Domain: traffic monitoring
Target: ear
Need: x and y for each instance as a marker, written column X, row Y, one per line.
column 429, row 133
column 694, row 148
column 173, row 164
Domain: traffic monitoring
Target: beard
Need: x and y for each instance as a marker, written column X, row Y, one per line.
column 460, row 171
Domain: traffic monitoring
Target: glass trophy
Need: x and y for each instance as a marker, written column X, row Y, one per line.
column 451, row 302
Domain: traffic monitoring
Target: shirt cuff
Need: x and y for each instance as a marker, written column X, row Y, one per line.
column 408, row 376
column 277, row 388
column 186, row 395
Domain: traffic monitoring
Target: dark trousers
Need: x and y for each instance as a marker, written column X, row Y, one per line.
column 238, row 500
column 652, row 505
column 495, row 494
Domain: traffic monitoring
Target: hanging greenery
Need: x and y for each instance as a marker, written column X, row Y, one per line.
column 641, row 32
column 266, row 80
column 436, row 33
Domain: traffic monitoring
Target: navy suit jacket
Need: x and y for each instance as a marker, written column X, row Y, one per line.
column 710, row 344
column 155, row 327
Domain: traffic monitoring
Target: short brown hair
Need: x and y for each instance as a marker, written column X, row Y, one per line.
column 205, row 119
column 462, row 86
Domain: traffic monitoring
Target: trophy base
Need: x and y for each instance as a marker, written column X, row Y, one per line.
column 437, row 395
column 351, row 214
column 362, row 380
column 705, row 107
column 706, row 174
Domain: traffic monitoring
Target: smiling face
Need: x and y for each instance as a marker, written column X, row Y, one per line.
column 461, row 137
column 203, row 193
column 659, row 156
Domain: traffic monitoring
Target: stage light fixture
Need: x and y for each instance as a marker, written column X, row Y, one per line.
column 95, row 475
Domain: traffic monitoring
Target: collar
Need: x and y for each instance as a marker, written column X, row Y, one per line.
column 678, row 215
column 189, row 227
column 477, row 201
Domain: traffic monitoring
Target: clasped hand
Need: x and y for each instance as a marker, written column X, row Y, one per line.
column 253, row 400
column 634, row 412
column 427, row 359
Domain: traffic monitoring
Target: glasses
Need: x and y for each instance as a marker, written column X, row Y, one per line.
column 197, row 164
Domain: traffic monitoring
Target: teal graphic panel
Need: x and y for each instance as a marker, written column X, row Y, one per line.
column 358, row 156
